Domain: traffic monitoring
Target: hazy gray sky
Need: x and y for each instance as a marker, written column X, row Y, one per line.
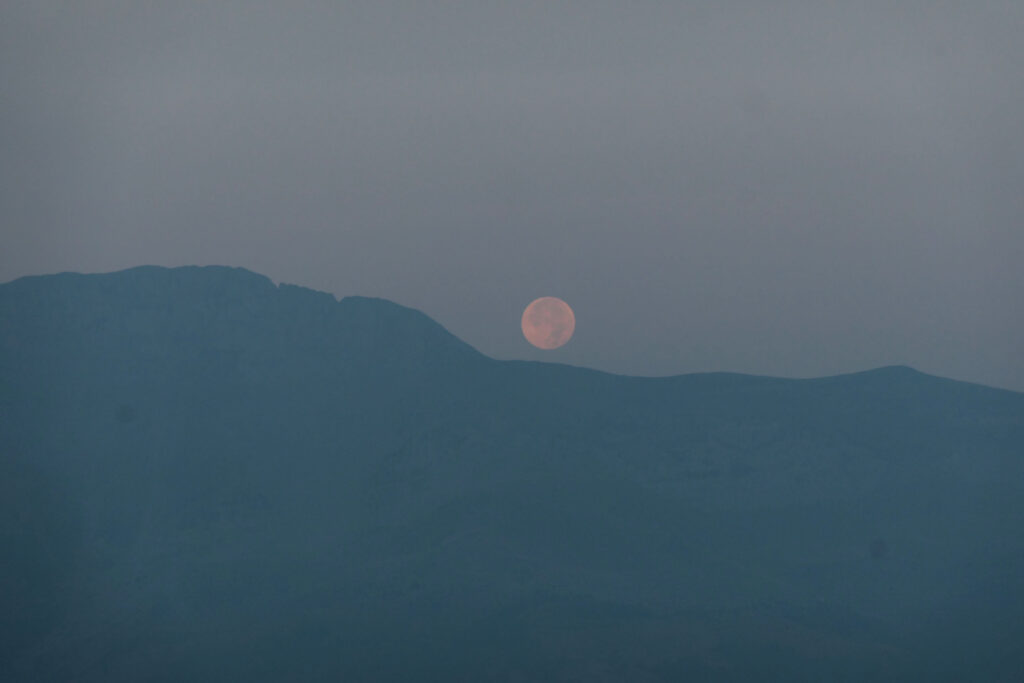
column 772, row 187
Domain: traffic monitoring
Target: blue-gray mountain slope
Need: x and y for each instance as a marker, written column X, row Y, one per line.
column 204, row 476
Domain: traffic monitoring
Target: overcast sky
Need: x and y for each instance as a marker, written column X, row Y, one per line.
column 780, row 188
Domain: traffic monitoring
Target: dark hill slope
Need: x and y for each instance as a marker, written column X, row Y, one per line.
column 208, row 477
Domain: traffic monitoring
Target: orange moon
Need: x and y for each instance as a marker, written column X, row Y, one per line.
column 548, row 322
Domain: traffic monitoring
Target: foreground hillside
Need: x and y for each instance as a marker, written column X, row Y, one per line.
column 204, row 476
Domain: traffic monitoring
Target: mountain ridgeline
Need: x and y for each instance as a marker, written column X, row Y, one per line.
column 204, row 476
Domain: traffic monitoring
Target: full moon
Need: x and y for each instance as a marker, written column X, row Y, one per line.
column 548, row 322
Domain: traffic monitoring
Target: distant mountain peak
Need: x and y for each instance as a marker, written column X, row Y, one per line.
column 221, row 307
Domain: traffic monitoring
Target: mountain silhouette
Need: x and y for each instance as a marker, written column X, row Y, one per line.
column 204, row 476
